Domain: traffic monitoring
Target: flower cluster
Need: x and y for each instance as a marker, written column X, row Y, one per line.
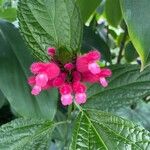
column 68, row 78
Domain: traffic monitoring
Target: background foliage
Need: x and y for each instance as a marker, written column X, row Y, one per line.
column 119, row 29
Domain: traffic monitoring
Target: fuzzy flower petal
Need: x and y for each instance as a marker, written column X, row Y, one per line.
column 89, row 77
column 48, row 85
column 65, row 89
column 103, row 81
column 94, row 55
column 80, row 98
column 83, row 61
column 69, row 66
column 76, row 76
column 58, row 81
column 52, row 70
column 41, row 79
column 79, row 87
column 105, row 73
column 66, row 99
column 37, row 67
column 51, row 51
column 31, row 81
column 94, row 68
column 36, row 90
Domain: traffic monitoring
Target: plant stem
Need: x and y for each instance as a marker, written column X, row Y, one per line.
column 78, row 106
column 69, row 112
column 62, row 122
column 122, row 45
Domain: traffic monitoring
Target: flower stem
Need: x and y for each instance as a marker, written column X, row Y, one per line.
column 122, row 45
column 69, row 112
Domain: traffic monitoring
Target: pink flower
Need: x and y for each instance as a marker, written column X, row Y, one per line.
column 94, row 68
column 105, row 73
column 88, row 62
column 68, row 78
column 51, row 51
column 66, row 99
column 37, row 67
column 89, row 77
column 100, row 77
column 52, row 70
column 36, row 90
column 94, row 55
column 80, row 98
column 103, row 81
column 31, row 81
column 65, row 89
column 41, row 80
column 69, row 66
column 48, row 85
column 79, row 87
column 58, row 81
column 76, row 76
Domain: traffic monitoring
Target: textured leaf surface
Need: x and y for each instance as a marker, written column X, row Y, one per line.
column 26, row 134
column 136, row 15
column 50, row 23
column 126, row 86
column 15, row 60
column 138, row 113
column 95, row 130
column 113, row 12
column 87, row 7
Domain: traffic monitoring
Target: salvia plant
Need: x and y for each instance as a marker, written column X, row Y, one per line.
column 74, row 75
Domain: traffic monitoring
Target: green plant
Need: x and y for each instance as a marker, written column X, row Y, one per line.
column 115, row 117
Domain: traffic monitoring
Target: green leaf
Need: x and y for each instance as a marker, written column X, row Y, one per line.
column 99, row 130
column 126, row 86
column 26, row 134
column 50, row 23
column 113, row 12
column 92, row 40
column 87, row 7
column 136, row 15
column 1, row 1
column 2, row 99
column 130, row 52
column 8, row 14
column 138, row 113
column 15, row 61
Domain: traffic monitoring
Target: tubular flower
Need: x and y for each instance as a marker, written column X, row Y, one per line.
column 68, row 78
column 88, row 62
column 51, row 51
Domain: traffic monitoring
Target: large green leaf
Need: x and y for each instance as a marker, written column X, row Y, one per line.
column 138, row 113
column 92, row 40
column 136, row 15
column 126, row 86
column 2, row 99
column 50, row 23
column 15, row 60
column 1, row 1
column 95, row 130
column 113, row 12
column 130, row 52
column 26, row 134
column 87, row 7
